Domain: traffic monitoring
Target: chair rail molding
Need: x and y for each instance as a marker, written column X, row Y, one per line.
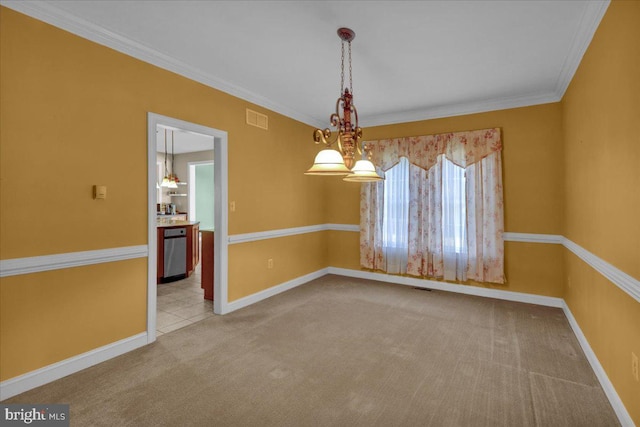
column 28, row 265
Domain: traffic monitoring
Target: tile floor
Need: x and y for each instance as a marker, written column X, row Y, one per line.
column 181, row 303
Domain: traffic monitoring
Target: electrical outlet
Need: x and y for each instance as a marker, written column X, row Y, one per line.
column 270, row 263
column 232, row 206
column 634, row 365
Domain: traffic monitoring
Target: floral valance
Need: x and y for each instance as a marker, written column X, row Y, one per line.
column 462, row 148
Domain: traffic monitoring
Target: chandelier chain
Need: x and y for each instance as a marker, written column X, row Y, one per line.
column 350, row 74
column 342, row 71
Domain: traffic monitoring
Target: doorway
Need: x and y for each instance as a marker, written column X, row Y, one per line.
column 155, row 121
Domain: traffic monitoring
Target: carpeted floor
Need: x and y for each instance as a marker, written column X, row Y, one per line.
column 348, row 352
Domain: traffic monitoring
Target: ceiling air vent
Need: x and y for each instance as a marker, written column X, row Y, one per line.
column 258, row 120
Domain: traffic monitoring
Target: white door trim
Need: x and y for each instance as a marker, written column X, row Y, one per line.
column 220, row 140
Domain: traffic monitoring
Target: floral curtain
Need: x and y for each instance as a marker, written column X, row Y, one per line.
column 478, row 153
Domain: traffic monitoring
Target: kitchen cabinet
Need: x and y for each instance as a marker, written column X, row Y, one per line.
column 207, row 264
column 193, row 248
column 160, row 258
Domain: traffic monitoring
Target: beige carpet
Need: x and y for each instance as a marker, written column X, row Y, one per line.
column 348, row 352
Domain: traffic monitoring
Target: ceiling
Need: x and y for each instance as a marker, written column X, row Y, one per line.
column 183, row 141
column 412, row 60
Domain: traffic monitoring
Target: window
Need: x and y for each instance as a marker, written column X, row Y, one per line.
column 395, row 222
column 439, row 213
column 396, row 206
column 454, row 229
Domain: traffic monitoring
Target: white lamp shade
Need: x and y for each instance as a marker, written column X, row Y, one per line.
column 165, row 182
column 328, row 162
column 363, row 171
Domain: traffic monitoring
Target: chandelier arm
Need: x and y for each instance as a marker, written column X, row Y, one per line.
column 335, row 117
column 335, row 120
column 357, row 130
column 323, row 136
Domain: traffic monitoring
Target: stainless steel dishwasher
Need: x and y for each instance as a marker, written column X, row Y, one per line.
column 175, row 254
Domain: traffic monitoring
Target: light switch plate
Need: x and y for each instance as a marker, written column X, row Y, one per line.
column 99, row 191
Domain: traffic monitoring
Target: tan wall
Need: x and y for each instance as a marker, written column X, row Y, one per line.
column 51, row 316
column 293, row 256
column 532, row 165
column 533, row 192
column 601, row 111
column 59, row 94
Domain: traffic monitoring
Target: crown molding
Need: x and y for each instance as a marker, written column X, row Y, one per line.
column 459, row 109
column 51, row 14
column 593, row 13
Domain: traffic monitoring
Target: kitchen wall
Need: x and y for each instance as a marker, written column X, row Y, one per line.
column 182, row 170
column 601, row 121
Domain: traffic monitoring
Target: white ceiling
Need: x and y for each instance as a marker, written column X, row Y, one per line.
column 183, row 141
column 412, row 60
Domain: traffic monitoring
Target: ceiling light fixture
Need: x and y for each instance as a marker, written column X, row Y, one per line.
column 330, row 161
column 173, row 178
column 165, row 181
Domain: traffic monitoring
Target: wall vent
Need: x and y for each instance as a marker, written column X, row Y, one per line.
column 258, row 120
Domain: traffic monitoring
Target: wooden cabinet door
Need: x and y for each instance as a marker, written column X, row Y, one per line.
column 196, row 245
column 193, row 248
column 207, row 264
column 160, row 260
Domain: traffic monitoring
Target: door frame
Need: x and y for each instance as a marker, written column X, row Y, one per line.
column 221, row 241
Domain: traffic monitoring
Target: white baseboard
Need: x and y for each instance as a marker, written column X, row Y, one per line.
column 451, row 287
column 33, row 379
column 275, row 290
column 607, row 386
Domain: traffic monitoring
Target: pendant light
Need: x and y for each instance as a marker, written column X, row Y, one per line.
column 173, row 179
column 165, row 181
column 330, row 161
column 363, row 171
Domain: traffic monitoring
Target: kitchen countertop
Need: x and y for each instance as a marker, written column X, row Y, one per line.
column 178, row 223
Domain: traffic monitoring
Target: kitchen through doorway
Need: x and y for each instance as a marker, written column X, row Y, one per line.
column 176, row 297
column 182, row 301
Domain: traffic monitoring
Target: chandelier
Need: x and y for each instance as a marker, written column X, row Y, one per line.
column 347, row 136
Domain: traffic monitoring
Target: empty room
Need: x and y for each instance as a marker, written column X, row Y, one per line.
column 322, row 213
